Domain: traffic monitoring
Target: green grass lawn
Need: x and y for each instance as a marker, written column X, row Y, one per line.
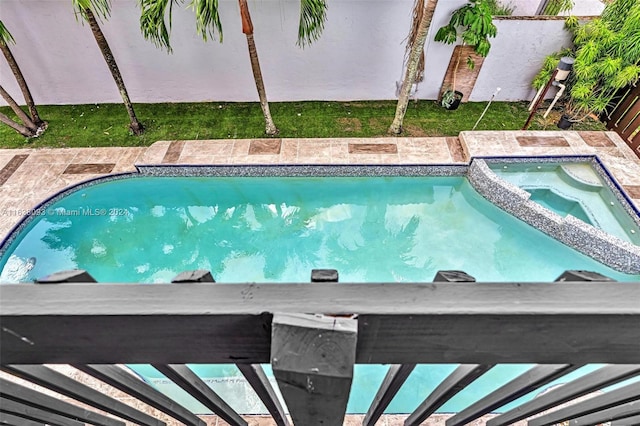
column 106, row 124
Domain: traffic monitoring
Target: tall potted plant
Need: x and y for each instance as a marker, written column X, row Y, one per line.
column 473, row 25
column 607, row 59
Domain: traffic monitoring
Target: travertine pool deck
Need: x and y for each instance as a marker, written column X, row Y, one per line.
column 28, row 176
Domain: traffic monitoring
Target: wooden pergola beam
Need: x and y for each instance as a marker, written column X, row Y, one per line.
column 447, row 389
column 527, row 382
column 312, row 357
column 596, row 380
column 628, row 414
column 617, row 397
column 120, row 379
column 16, row 420
column 37, row 414
column 486, row 323
column 24, row 395
column 260, row 383
column 64, row 385
column 182, row 376
column 393, row 381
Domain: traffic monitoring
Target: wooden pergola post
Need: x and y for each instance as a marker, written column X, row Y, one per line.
column 312, row 357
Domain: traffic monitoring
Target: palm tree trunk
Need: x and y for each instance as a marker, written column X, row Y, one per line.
column 23, row 130
column 29, row 124
column 247, row 29
column 412, row 66
column 135, row 126
column 26, row 93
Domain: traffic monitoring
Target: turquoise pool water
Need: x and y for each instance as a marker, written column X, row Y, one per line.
column 380, row 229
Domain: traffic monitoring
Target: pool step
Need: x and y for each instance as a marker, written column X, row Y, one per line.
column 583, row 174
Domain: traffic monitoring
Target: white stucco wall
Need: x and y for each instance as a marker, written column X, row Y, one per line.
column 586, row 8
column 523, row 7
column 581, row 7
column 359, row 56
column 516, row 56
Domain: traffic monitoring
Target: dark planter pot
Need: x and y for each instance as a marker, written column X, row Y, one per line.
column 564, row 123
column 456, row 101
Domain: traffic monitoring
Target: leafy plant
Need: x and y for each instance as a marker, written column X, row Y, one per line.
column 607, row 59
column 449, row 97
column 554, row 7
column 473, row 24
column 500, row 9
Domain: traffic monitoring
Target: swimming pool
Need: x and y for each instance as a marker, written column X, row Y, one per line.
column 268, row 228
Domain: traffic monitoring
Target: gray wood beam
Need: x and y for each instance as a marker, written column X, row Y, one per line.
column 626, row 414
column 16, row 420
column 120, row 379
column 605, row 401
column 182, row 376
column 393, row 381
column 64, row 385
column 527, row 382
column 623, row 420
column 486, row 323
column 24, row 395
column 258, row 380
column 312, row 357
column 33, row 413
column 596, row 380
column 454, row 383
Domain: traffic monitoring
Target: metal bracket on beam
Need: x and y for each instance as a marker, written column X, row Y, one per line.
column 453, row 277
column 574, row 275
column 324, row 276
column 63, row 277
column 197, row 276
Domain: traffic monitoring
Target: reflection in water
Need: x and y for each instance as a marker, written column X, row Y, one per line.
column 278, row 229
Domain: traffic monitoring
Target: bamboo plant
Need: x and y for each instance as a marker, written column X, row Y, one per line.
column 607, row 59
column 554, row 7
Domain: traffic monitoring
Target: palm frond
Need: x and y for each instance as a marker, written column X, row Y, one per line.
column 100, row 8
column 207, row 18
column 313, row 15
column 153, row 25
column 5, row 35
